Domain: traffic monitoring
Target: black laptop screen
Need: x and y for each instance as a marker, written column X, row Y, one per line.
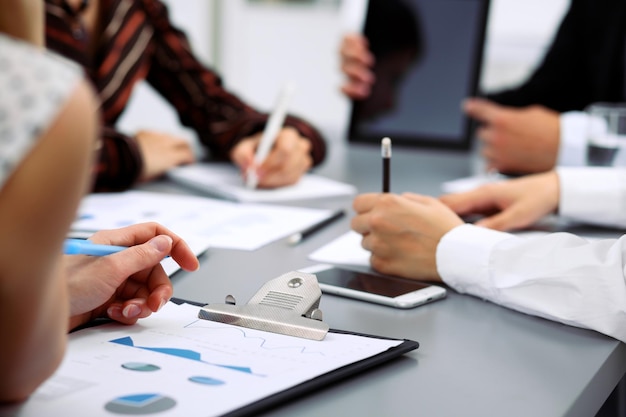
column 428, row 59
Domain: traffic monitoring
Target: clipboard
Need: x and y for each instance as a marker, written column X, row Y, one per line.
column 289, row 304
column 323, row 381
column 179, row 364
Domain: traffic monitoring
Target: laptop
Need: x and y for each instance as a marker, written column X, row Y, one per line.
column 429, row 55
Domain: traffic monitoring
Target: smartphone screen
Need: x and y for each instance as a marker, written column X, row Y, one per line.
column 361, row 281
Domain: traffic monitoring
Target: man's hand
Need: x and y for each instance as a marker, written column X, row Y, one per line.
column 509, row 204
column 516, row 141
column 402, row 232
column 356, row 63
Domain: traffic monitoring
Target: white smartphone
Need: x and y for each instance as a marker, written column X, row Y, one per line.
column 380, row 289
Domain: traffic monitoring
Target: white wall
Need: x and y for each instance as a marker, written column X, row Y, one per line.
column 264, row 45
column 258, row 46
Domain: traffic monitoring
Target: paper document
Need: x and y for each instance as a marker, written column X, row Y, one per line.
column 174, row 364
column 224, row 180
column 346, row 249
column 461, row 185
column 223, row 224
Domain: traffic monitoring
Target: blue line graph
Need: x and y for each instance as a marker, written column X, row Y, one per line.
column 181, row 353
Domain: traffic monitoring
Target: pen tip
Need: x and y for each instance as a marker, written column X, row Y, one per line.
column 294, row 239
column 385, row 148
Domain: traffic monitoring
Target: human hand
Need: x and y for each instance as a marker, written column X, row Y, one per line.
column 402, row 232
column 161, row 152
column 288, row 160
column 524, row 140
column 356, row 63
column 517, row 203
column 127, row 285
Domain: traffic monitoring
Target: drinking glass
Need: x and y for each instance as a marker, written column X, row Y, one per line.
column 606, row 134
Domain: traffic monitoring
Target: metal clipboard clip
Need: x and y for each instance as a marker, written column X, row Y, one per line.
column 287, row 305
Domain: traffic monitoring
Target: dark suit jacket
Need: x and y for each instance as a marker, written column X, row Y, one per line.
column 584, row 64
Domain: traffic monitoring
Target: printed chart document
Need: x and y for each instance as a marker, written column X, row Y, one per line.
column 224, row 180
column 174, row 364
column 224, row 224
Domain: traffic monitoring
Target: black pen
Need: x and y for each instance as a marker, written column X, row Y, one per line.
column 300, row 236
column 385, row 151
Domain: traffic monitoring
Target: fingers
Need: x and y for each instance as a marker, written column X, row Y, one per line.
column 481, row 109
column 137, row 235
column 182, row 153
column 514, row 217
column 365, row 202
column 476, row 201
column 289, row 159
column 144, row 286
column 127, row 313
column 359, row 82
column 137, row 299
column 356, row 91
column 358, row 73
column 139, row 257
column 161, row 152
column 242, row 154
column 355, row 48
column 356, row 64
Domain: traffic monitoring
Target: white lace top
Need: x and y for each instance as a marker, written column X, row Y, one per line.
column 34, row 86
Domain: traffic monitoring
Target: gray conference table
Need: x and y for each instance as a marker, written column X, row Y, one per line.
column 475, row 358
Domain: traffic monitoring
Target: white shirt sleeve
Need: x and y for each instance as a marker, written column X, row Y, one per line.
column 559, row 276
column 593, row 195
column 573, row 141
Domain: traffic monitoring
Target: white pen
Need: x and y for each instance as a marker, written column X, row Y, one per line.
column 273, row 126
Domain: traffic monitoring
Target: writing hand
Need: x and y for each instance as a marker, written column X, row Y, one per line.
column 289, row 159
column 402, row 232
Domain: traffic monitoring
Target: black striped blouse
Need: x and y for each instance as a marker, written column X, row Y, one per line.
column 138, row 42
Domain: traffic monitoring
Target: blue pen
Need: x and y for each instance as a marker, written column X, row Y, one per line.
column 87, row 247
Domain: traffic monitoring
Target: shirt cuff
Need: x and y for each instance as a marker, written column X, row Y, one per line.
column 463, row 258
column 573, row 142
column 593, row 195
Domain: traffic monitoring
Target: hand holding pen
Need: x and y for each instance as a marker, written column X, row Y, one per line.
column 274, row 125
column 289, row 156
column 128, row 283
